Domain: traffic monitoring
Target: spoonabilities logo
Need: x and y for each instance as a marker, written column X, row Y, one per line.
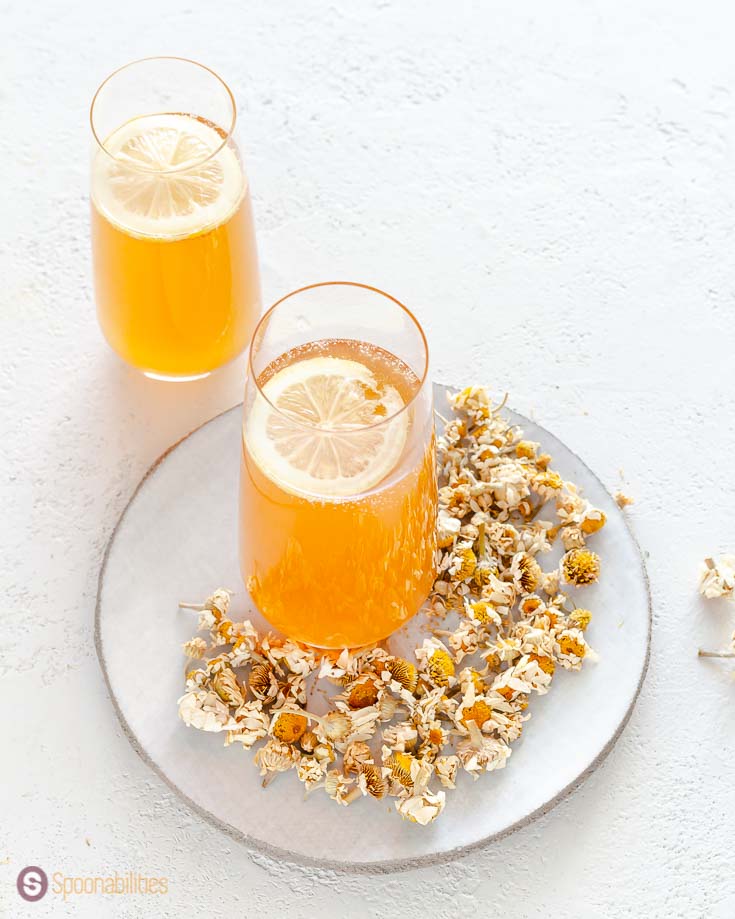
column 32, row 883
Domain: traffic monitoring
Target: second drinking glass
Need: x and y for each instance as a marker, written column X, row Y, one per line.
column 175, row 263
column 338, row 490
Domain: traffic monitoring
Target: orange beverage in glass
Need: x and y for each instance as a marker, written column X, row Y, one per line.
column 175, row 261
column 338, row 490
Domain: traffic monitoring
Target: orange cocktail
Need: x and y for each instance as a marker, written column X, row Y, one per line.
column 175, row 261
column 338, row 483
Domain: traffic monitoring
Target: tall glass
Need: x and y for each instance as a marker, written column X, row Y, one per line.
column 338, row 492
column 175, row 261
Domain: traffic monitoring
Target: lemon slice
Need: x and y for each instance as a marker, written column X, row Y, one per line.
column 326, row 438
column 167, row 176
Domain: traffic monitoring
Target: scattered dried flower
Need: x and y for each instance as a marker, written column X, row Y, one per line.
column 423, row 808
column 580, row 567
column 717, row 577
column 622, row 500
column 195, row 648
column 288, row 726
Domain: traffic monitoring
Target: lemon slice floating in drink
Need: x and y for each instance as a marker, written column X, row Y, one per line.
column 167, row 176
column 337, row 431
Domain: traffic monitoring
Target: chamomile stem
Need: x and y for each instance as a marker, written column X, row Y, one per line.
column 702, row 653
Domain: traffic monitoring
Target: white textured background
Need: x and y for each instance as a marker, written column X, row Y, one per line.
column 552, row 188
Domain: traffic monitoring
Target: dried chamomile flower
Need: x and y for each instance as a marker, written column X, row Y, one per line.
column 252, row 725
column 364, row 722
column 292, row 690
column 203, row 709
column 213, row 609
column 464, row 563
column 465, row 639
column 310, row 771
column 356, row 753
column 337, row 786
column 243, row 645
column 531, row 605
column 500, row 593
column 436, row 662
column 361, row 693
column 227, row 687
column 221, row 632
column 508, row 685
column 526, row 449
column 525, row 572
column 288, row 726
column 535, row 672
column 580, row 618
column 445, row 769
column 432, row 704
column 263, row 683
column 220, row 662
column 504, row 537
column 422, row 808
column 338, row 669
column 570, row 506
column 544, row 661
column 398, row 765
column 447, row 529
column 717, row 577
column 479, row 753
column 324, row 752
column 534, row 538
column 473, row 709
column 335, row 726
column 297, row 658
column 622, row 500
column 571, row 648
column 195, row 648
column 505, row 650
column 403, row 672
column 387, row 706
column 581, row 567
column 370, row 780
column 433, row 737
column 547, row 484
column 401, row 736
column 308, row 741
column 572, row 537
column 196, row 679
column 550, row 582
column 482, row 611
column 473, row 401
column 592, row 521
column 276, row 756
column 469, row 676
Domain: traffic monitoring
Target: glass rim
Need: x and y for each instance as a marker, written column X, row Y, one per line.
column 181, row 60
column 370, row 427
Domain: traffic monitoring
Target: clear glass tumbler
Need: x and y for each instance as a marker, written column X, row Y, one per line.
column 175, row 260
column 338, row 491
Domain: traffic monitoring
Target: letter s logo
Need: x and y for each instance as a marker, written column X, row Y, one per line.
column 32, row 883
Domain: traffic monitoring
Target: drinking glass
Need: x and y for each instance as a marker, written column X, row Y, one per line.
column 338, row 492
column 175, row 261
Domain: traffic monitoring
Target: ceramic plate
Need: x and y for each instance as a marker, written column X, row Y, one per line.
column 177, row 539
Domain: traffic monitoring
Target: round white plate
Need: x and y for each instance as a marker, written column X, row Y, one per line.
column 177, row 539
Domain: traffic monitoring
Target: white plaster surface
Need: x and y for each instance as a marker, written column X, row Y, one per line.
column 551, row 187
